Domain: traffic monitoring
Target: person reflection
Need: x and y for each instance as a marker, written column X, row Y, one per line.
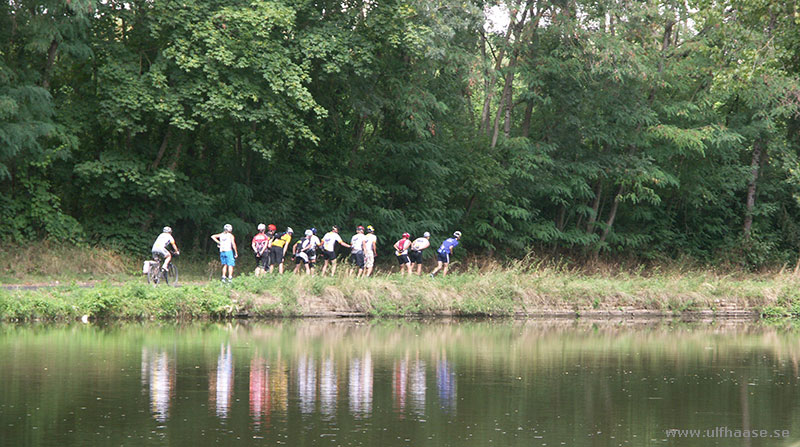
column 259, row 392
column 446, row 383
column 306, row 384
column 158, row 375
column 399, row 385
column 279, row 384
column 360, row 385
column 417, row 387
column 220, row 387
column 328, row 388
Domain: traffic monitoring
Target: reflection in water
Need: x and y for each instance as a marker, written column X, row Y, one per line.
column 361, row 385
column 220, row 389
column 399, row 384
column 259, row 392
column 158, row 373
column 417, row 387
column 446, row 384
column 328, row 388
column 279, row 384
column 306, row 383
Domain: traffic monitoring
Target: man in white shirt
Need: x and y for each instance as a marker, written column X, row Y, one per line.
column 357, row 249
column 160, row 246
column 329, row 242
column 417, row 247
column 370, row 246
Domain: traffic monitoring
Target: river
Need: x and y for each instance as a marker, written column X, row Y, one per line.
column 400, row 383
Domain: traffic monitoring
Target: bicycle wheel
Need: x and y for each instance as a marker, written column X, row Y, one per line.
column 152, row 275
column 171, row 275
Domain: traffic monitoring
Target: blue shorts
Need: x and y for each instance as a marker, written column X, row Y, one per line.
column 443, row 257
column 226, row 257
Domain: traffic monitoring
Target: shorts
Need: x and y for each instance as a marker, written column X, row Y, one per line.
column 443, row 257
column 263, row 260
column 415, row 256
column 301, row 258
column 403, row 259
column 357, row 259
column 226, row 257
column 158, row 254
column 275, row 255
column 369, row 260
column 329, row 255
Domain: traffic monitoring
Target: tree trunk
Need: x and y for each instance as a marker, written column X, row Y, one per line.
column 611, row 216
column 487, row 102
column 161, row 149
column 175, row 158
column 48, row 68
column 751, row 189
column 358, row 127
column 526, row 123
column 598, row 191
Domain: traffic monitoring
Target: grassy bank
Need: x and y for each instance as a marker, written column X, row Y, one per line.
column 497, row 291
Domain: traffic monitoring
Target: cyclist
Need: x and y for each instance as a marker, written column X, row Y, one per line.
column 303, row 250
column 227, row 250
column 444, row 252
column 163, row 241
column 278, row 248
column 259, row 246
column 370, row 247
column 415, row 254
column 329, row 248
column 401, row 251
column 357, row 249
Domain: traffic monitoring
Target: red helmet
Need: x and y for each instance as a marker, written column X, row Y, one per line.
column 406, row 236
column 272, row 227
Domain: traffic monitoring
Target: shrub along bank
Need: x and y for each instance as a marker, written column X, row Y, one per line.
column 497, row 292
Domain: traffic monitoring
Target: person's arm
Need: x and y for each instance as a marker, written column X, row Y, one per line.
column 233, row 244
column 343, row 243
column 253, row 246
column 215, row 238
column 375, row 248
column 286, row 246
column 175, row 247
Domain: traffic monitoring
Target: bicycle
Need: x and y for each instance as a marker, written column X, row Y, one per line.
column 155, row 274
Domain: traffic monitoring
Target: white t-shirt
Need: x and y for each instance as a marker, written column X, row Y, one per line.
column 329, row 240
column 368, row 240
column 161, row 242
column 315, row 240
column 356, row 241
column 420, row 243
column 225, row 242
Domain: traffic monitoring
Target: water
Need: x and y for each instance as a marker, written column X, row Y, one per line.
column 351, row 383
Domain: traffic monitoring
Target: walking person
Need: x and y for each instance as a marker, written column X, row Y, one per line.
column 370, row 245
column 444, row 253
column 227, row 251
column 259, row 246
column 277, row 249
column 357, row 249
column 415, row 253
column 329, row 242
column 401, row 248
column 303, row 252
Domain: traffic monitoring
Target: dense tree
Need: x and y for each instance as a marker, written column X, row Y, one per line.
column 610, row 128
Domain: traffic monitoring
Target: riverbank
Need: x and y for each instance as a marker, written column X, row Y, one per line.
column 498, row 292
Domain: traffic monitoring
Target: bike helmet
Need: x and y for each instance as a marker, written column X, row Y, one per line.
column 360, row 228
column 426, row 234
column 289, row 230
column 457, row 234
column 406, row 236
column 309, row 232
column 166, row 230
column 272, row 227
column 313, row 230
column 370, row 229
column 335, row 228
column 228, row 227
column 262, row 227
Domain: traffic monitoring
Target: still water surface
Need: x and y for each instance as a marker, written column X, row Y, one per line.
column 399, row 383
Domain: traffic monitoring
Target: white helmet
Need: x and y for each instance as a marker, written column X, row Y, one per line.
column 457, row 234
column 426, row 234
column 262, row 227
column 289, row 230
column 309, row 233
column 166, row 230
column 228, row 227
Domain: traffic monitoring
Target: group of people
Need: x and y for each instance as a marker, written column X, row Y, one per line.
column 270, row 248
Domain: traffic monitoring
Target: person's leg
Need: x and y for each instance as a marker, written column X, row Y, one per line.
column 446, row 267
column 325, row 266
column 409, row 268
column 308, row 268
column 438, row 267
column 167, row 258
